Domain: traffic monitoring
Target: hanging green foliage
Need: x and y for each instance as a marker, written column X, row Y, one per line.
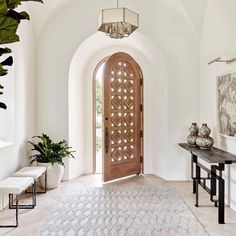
column 9, row 23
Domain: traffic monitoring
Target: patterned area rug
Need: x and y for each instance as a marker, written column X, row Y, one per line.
column 124, row 211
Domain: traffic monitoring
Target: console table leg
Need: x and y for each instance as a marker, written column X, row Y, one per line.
column 197, row 197
column 198, row 177
column 221, row 208
column 194, row 187
column 213, row 183
column 193, row 160
column 17, row 209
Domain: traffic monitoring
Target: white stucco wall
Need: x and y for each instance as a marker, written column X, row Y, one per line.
column 218, row 40
column 20, row 103
column 42, row 106
column 170, row 30
column 80, row 99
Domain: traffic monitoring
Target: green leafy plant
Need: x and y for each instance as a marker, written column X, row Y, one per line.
column 99, row 98
column 9, row 23
column 98, row 144
column 46, row 151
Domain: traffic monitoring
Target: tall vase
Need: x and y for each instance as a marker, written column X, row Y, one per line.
column 191, row 139
column 54, row 175
column 204, row 141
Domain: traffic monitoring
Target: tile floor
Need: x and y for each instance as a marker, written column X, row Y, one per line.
column 30, row 221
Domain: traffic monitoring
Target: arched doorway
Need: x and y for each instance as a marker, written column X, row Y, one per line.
column 118, row 117
column 80, row 95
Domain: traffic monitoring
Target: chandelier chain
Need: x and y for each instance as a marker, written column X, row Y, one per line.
column 117, row 3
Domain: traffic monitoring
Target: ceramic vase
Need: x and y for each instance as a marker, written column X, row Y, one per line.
column 54, row 175
column 191, row 139
column 204, row 141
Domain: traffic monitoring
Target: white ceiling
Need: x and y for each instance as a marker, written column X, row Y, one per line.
column 196, row 12
column 43, row 13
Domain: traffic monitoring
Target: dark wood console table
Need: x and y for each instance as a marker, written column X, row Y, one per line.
column 217, row 159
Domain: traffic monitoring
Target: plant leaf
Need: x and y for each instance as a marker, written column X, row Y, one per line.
column 3, row 105
column 8, row 27
column 3, row 7
column 13, row 3
column 2, row 70
column 8, row 61
column 18, row 16
column 4, row 51
column 7, row 37
column 50, row 152
column 8, row 23
column 32, row 1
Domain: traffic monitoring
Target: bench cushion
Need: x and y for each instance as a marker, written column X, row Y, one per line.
column 15, row 185
column 30, row 171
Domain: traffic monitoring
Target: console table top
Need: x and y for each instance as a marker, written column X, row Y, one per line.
column 213, row 155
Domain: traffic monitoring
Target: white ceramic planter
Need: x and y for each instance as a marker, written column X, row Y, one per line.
column 54, row 175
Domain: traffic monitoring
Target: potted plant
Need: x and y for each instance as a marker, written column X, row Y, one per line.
column 50, row 155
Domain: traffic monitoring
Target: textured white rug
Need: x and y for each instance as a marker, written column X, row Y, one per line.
column 130, row 211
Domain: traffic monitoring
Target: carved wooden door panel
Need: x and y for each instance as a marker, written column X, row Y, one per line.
column 122, row 117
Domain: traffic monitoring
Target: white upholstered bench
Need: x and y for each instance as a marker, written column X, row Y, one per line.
column 16, row 186
column 34, row 172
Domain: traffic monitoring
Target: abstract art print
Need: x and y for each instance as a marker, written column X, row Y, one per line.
column 226, row 89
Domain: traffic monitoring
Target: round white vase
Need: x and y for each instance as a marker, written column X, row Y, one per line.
column 54, row 175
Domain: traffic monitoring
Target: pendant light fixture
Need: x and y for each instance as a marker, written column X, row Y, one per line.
column 118, row 22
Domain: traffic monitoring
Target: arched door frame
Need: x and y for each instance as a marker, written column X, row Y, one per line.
column 94, row 112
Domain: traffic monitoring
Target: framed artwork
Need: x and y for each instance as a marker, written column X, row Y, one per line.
column 226, row 107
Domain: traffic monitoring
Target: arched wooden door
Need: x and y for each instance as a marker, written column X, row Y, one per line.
column 122, row 117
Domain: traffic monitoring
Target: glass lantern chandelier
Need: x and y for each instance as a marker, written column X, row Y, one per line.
column 118, row 23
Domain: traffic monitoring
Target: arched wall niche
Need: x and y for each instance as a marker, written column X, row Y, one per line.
column 82, row 67
column 165, row 26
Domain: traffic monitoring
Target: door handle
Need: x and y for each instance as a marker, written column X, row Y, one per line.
column 107, row 140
